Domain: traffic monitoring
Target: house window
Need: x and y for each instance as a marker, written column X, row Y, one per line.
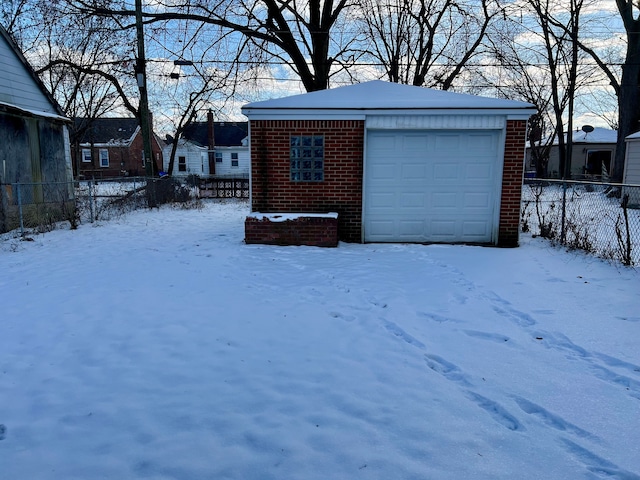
column 306, row 156
column 104, row 157
column 86, row 155
column 234, row 159
column 182, row 164
column 598, row 162
column 218, row 156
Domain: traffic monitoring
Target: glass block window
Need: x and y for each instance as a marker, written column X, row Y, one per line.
column 307, row 158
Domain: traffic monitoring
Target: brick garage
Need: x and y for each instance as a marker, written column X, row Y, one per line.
column 397, row 163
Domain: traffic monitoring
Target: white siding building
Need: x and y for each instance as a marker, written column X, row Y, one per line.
column 190, row 159
column 232, row 161
column 632, row 169
column 211, row 148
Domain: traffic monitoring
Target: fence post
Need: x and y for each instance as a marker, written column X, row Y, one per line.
column 627, row 258
column 563, row 231
column 19, row 196
column 3, row 208
column 91, row 206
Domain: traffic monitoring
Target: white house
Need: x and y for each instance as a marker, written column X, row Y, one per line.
column 190, row 159
column 632, row 169
column 211, row 149
column 592, row 155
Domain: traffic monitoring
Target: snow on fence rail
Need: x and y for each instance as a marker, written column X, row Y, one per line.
column 602, row 219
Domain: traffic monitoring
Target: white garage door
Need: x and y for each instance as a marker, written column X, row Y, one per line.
column 431, row 186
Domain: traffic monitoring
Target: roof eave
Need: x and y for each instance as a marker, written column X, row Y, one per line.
column 11, row 108
column 256, row 113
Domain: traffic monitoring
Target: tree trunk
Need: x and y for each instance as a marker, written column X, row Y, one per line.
column 628, row 100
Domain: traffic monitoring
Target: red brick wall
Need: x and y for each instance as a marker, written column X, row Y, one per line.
column 314, row 231
column 512, row 174
column 341, row 190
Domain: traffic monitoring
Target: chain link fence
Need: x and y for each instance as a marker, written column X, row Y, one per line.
column 37, row 207
column 599, row 218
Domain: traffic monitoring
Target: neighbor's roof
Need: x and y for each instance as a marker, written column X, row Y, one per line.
column 599, row 135
column 633, row 136
column 385, row 96
column 226, row 134
column 115, row 131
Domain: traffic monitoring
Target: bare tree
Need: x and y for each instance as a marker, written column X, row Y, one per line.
column 426, row 42
column 15, row 16
column 629, row 86
column 517, row 74
column 626, row 81
column 543, row 65
column 297, row 34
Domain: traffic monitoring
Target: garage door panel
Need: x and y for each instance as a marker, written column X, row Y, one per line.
column 382, row 229
column 410, row 228
column 446, row 172
column 414, row 171
column 384, row 171
column 482, row 172
column 472, row 229
column 441, row 200
column 476, row 200
column 447, row 143
column 431, row 186
column 481, row 143
column 414, row 143
column 382, row 200
column 410, row 200
column 383, row 142
column 442, row 229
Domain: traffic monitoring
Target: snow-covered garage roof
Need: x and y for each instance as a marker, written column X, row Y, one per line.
column 378, row 97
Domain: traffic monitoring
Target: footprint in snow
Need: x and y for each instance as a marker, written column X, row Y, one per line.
column 493, row 337
column 434, row 317
column 399, row 332
column 496, row 411
column 550, row 419
column 346, row 318
column 447, row 369
column 595, row 464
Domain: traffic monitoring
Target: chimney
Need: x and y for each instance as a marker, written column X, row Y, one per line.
column 211, row 140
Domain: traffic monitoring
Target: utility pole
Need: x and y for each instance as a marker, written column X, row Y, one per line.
column 143, row 108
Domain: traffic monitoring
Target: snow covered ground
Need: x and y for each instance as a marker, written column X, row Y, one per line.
column 160, row 346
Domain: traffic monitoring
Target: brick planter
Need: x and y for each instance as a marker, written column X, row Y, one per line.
column 313, row 229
